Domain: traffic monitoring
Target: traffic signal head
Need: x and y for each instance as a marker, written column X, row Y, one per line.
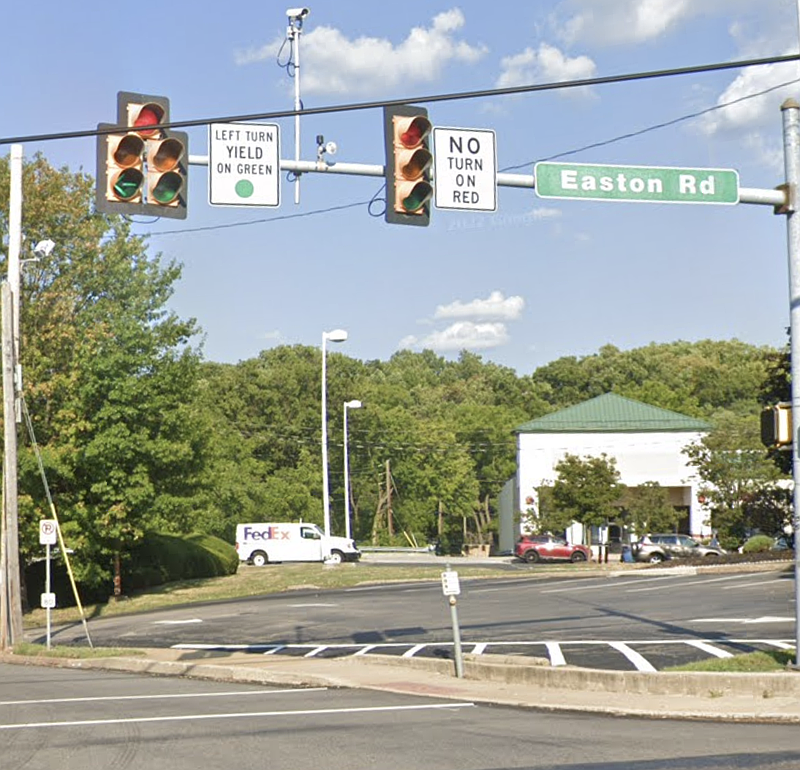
column 142, row 168
column 776, row 425
column 408, row 164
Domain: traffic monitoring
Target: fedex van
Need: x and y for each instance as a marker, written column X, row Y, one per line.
column 260, row 544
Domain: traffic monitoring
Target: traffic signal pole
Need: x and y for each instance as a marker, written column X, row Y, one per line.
column 791, row 150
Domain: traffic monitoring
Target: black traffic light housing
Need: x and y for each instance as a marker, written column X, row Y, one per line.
column 409, row 186
column 776, row 425
column 142, row 168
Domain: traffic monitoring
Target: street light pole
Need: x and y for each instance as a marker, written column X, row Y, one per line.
column 354, row 404
column 337, row 335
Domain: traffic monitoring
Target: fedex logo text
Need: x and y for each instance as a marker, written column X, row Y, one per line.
column 270, row 533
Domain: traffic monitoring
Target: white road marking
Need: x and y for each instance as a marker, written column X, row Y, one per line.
column 711, row 649
column 312, row 604
column 479, row 649
column 752, row 585
column 166, row 696
column 641, row 663
column 176, row 622
column 555, row 654
column 245, row 715
column 414, row 650
column 579, row 587
column 690, row 583
column 316, row 651
column 743, row 621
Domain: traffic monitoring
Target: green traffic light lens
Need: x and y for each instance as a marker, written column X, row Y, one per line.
column 167, row 188
column 128, row 184
column 418, row 197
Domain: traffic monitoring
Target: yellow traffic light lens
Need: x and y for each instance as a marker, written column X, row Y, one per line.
column 129, row 151
column 167, row 155
column 167, row 188
column 128, row 184
column 416, row 164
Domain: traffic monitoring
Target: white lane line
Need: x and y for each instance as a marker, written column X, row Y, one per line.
column 244, row 715
column 414, row 650
column 779, row 645
column 176, row 622
column 479, row 649
column 316, row 651
column 637, row 581
column 689, row 583
column 312, row 604
column 276, row 649
column 752, row 585
column 641, row 663
column 555, row 654
column 167, row 696
column 710, row 649
column 744, row 621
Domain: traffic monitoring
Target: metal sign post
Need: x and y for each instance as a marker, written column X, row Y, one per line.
column 451, row 588
column 48, row 535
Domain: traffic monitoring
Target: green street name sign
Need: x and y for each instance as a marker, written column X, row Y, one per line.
column 636, row 183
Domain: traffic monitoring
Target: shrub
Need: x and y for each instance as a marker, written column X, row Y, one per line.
column 757, row 544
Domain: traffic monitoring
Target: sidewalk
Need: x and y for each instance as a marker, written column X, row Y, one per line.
column 526, row 683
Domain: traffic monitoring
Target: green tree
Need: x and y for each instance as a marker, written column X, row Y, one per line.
column 736, row 473
column 587, row 489
column 647, row 509
column 110, row 378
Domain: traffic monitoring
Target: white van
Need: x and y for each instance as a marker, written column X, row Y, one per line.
column 260, row 544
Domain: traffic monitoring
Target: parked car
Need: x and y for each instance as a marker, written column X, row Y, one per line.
column 533, row 548
column 658, row 548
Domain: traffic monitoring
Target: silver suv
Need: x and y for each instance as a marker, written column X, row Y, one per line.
column 658, row 548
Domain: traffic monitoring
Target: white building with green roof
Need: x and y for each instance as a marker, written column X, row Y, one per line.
column 646, row 442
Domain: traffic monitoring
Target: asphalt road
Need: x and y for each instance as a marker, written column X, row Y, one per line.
column 643, row 621
column 91, row 720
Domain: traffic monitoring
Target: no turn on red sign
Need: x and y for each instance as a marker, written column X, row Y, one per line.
column 465, row 169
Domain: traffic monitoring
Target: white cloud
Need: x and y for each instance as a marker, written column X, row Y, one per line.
column 611, row 22
column 495, row 307
column 463, row 335
column 756, row 112
column 545, row 65
column 335, row 64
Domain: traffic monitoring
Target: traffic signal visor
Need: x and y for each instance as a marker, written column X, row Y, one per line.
column 124, row 167
column 412, row 161
column 165, row 175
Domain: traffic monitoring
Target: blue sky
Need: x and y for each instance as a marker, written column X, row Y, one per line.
column 535, row 280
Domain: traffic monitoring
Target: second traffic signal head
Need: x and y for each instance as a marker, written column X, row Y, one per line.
column 408, row 163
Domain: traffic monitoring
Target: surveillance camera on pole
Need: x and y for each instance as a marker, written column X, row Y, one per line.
column 297, row 14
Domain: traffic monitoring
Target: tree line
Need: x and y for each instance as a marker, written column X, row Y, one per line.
column 137, row 433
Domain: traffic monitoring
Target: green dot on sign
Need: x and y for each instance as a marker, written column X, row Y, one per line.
column 244, row 188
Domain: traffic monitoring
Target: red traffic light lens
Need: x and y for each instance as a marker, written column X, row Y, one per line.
column 149, row 115
column 417, row 130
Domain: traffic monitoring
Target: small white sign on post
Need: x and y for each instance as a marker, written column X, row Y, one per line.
column 450, row 584
column 465, row 169
column 48, row 601
column 244, row 166
column 48, row 532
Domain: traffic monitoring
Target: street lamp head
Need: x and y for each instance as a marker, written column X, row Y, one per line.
column 44, row 248
column 354, row 404
column 337, row 335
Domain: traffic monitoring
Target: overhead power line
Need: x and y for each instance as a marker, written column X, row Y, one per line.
column 429, row 99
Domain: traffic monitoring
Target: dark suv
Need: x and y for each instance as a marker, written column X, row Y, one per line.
column 658, row 548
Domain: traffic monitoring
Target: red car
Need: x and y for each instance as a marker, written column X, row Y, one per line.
column 533, row 548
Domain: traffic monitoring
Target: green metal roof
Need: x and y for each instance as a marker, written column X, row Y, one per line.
column 611, row 413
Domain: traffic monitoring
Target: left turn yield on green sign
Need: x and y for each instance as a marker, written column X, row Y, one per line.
column 244, row 164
